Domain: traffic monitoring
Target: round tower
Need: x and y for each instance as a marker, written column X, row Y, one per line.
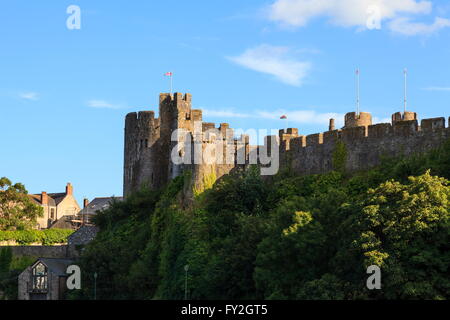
column 363, row 119
column 403, row 116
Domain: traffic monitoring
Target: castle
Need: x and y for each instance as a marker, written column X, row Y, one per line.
column 155, row 146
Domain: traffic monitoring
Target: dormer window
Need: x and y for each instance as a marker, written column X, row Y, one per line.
column 40, row 277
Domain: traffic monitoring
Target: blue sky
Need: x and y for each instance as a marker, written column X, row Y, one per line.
column 64, row 93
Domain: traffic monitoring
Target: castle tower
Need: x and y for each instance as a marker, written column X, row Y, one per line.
column 363, row 119
column 403, row 116
column 141, row 150
column 175, row 113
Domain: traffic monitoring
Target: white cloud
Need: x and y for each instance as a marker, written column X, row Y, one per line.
column 295, row 117
column 102, row 104
column 408, row 28
column 437, row 89
column 29, row 96
column 303, row 116
column 276, row 61
column 356, row 13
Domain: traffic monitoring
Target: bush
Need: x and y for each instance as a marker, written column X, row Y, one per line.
column 44, row 237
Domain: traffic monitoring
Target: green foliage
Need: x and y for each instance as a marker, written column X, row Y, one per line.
column 17, row 210
column 339, row 157
column 283, row 237
column 5, row 259
column 45, row 237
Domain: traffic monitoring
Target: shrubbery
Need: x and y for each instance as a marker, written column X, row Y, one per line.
column 44, row 237
column 287, row 237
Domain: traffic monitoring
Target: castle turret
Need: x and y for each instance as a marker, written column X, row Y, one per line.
column 331, row 127
column 175, row 113
column 363, row 119
column 403, row 116
column 141, row 150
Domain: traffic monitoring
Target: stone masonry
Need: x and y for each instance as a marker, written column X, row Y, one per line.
column 150, row 144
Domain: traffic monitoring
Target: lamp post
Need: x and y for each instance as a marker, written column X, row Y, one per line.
column 186, row 269
column 95, row 286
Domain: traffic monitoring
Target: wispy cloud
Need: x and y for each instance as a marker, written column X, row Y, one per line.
column 303, row 116
column 33, row 96
column 103, row 104
column 295, row 117
column 406, row 27
column 276, row 61
column 357, row 13
column 437, row 89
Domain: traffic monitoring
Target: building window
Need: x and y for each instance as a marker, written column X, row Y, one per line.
column 146, row 143
column 52, row 214
column 40, row 276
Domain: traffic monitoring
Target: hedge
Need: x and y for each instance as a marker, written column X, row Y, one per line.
column 44, row 237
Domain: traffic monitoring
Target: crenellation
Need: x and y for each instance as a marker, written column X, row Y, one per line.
column 331, row 136
column 196, row 115
column 405, row 128
column 403, row 116
column 298, row 142
column 314, row 139
column 380, row 130
column 353, row 134
column 208, row 126
column 433, row 123
column 148, row 144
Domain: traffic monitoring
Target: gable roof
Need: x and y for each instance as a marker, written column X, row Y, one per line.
column 99, row 204
column 36, row 198
column 56, row 266
column 58, row 197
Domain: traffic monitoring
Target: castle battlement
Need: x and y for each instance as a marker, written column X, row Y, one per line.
column 149, row 146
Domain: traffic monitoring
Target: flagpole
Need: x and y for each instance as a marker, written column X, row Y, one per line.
column 357, row 92
column 171, row 83
column 405, row 100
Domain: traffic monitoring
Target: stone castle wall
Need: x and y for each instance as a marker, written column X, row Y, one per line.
column 149, row 145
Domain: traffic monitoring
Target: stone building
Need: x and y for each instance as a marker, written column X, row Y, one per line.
column 151, row 144
column 45, row 279
column 56, row 206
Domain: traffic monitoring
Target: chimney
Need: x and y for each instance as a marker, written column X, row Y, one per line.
column 44, row 198
column 85, row 203
column 69, row 189
column 332, row 127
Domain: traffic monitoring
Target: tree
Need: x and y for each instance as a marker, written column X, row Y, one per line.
column 17, row 211
column 5, row 259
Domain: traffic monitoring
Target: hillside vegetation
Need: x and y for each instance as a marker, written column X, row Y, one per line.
column 287, row 237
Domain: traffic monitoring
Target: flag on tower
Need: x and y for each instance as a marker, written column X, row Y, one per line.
column 169, row 74
column 283, row 117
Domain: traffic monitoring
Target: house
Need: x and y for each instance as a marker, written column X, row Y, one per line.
column 56, row 206
column 45, row 279
column 91, row 208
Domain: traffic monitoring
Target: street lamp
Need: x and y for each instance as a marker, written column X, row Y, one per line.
column 186, row 269
column 95, row 286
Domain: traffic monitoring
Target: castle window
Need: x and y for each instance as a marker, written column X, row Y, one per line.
column 40, row 275
column 52, row 214
column 146, row 143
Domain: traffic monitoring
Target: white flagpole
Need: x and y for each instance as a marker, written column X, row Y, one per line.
column 357, row 92
column 171, row 83
column 405, row 71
